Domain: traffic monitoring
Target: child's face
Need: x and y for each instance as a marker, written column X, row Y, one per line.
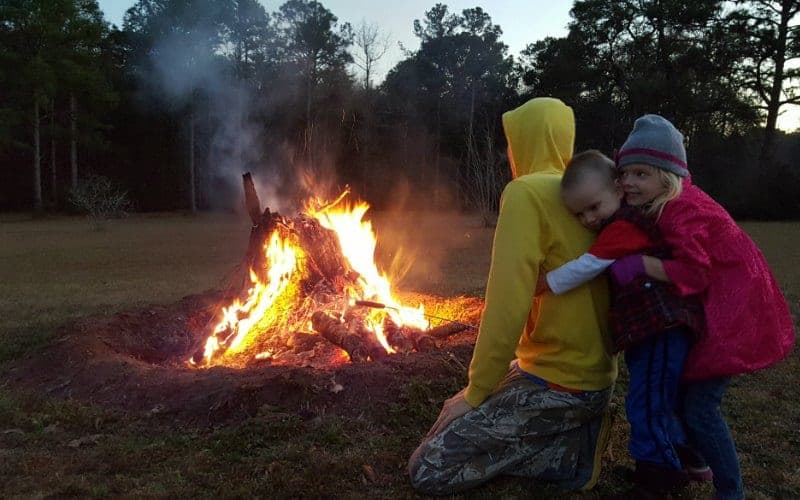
column 593, row 201
column 641, row 183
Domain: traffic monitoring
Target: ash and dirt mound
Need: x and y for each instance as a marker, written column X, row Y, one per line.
column 137, row 362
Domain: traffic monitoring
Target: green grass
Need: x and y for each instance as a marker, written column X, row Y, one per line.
column 59, row 269
column 56, row 270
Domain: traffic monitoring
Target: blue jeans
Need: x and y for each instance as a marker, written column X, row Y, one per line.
column 708, row 434
column 655, row 367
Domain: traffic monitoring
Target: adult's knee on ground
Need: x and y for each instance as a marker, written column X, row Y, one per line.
column 429, row 479
column 420, row 477
column 430, row 485
column 426, row 481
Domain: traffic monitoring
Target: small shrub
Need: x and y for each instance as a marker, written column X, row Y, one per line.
column 100, row 199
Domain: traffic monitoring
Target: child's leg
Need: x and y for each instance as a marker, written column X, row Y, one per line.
column 709, row 434
column 692, row 461
column 655, row 367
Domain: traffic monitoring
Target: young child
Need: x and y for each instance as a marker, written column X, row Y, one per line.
column 748, row 324
column 649, row 319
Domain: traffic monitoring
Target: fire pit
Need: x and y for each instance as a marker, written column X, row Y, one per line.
column 303, row 327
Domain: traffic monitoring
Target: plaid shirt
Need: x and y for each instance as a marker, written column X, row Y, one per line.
column 646, row 307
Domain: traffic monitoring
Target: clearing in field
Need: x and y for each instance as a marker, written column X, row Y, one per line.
column 115, row 336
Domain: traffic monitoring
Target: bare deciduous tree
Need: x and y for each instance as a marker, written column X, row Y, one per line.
column 372, row 46
column 486, row 174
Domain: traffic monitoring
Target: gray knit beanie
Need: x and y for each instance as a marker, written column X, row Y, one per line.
column 656, row 142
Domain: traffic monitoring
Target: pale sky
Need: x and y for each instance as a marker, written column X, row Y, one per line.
column 522, row 22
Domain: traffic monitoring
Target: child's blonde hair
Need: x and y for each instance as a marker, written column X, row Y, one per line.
column 673, row 186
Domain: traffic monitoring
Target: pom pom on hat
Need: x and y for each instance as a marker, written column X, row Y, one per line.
column 656, row 142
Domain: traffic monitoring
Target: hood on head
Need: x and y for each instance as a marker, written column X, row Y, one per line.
column 540, row 136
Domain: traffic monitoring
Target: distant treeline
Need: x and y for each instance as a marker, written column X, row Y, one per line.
column 188, row 94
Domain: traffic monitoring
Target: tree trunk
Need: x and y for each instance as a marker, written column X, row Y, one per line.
column 664, row 53
column 311, row 74
column 366, row 142
column 461, row 196
column 73, row 141
column 309, row 88
column 437, row 165
column 472, row 110
column 192, row 190
column 774, row 103
column 405, row 143
column 37, row 164
column 239, row 150
column 53, row 173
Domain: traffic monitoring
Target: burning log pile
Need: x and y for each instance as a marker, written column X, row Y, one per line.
column 315, row 272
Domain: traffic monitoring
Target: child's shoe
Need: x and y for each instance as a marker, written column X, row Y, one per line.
column 694, row 464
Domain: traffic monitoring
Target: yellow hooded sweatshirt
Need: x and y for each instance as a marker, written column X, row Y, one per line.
column 559, row 338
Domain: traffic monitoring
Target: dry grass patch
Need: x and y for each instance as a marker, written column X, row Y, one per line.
column 59, row 269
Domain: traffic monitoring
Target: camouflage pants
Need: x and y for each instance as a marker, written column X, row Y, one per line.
column 523, row 429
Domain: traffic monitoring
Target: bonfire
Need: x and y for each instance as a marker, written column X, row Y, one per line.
column 312, row 278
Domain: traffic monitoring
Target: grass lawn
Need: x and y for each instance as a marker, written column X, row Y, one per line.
column 55, row 270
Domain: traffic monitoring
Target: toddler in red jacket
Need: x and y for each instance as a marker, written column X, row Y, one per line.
column 650, row 320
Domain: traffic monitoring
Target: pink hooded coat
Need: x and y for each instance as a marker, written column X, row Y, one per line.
column 749, row 326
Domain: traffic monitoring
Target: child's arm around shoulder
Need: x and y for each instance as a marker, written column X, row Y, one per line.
column 617, row 239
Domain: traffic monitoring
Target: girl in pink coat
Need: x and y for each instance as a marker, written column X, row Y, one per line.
column 749, row 326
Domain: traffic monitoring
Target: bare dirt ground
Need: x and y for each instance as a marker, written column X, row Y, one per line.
column 137, row 361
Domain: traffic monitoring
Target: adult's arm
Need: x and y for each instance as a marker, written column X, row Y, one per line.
column 520, row 240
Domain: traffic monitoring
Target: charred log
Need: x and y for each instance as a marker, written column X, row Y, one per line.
column 251, row 201
column 406, row 338
column 263, row 223
column 339, row 335
column 447, row 329
column 426, row 340
column 303, row 341
column 323, row 252
column 396, row 336
column 374, row 348
column 424, row 343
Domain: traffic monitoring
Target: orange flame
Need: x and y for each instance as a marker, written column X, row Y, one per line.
column 357, row 240
column 242, row 321
column 239, row 318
